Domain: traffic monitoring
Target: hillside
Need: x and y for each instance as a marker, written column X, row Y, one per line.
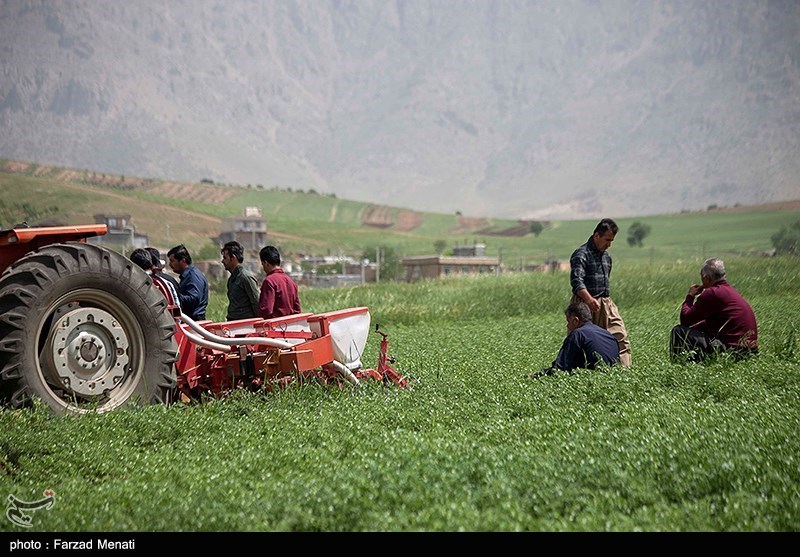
column 171, row 212
column 311, row 223
column 512, row 109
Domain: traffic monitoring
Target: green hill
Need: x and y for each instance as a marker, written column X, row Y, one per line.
column 310, row 223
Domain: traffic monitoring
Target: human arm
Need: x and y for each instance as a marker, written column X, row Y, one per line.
column 296, row 307
column 577, row 279
column 253, row 293
column 697, row 306
column 190, row 293
column 266, row 302
column 591, row 301
column 571, row 355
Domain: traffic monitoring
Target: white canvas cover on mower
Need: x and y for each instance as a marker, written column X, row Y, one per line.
column 348, row 329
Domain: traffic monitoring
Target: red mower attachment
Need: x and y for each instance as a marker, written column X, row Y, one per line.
column 262, row 353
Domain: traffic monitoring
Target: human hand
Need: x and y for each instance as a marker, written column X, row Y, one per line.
column 594, row 304
column 539, row 374
column 695, row 289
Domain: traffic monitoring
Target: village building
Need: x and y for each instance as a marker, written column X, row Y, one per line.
column 466, row 260
column 249, row 229
column 121, row 232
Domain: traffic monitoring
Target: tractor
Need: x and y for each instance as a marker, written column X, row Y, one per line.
column 86, row 330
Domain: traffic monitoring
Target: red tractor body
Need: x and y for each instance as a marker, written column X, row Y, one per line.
column 16, row 242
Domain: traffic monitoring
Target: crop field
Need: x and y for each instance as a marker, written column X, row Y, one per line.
column 473, row 444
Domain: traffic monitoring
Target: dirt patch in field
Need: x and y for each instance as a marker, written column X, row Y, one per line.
column 217, row 195
column 67, row 175
column 213, row 195
column 408, row 220
column 378, row 216
column 523, row 228
column 15, row 167
column 469, row 224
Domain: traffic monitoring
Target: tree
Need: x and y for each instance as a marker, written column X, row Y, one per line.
column 391, row 266
column 536, row 227
column 787, row 239
column 637, row 233
column 439, row 246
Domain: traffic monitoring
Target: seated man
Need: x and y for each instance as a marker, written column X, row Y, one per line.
column 714, row 318
column 586, row 346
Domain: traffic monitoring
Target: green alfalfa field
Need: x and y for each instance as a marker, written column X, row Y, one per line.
column 473, row 444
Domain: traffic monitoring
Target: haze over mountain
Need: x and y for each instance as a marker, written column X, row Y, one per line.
column 518, row 109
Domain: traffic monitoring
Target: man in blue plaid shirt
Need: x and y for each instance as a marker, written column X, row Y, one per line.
column 590, row 271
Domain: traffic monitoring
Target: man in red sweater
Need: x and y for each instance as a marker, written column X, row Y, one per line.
column 714, row 318
column 278, row 291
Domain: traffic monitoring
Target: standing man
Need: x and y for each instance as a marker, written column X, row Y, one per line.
column 242, row 286
column 278, row 291
column 142, row 257
column 714, row 318
column 193, row 287
column 590, row 273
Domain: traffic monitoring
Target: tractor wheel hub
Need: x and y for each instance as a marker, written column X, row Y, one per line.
column 88, row 350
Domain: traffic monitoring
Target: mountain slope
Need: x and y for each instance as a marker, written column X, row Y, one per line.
column 508, row 108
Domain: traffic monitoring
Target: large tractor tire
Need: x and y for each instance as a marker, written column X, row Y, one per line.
column 83, row 329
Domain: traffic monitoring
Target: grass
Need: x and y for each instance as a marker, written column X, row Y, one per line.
column 474, row 444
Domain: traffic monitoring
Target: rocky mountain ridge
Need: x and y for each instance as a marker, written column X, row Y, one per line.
column 508, row 108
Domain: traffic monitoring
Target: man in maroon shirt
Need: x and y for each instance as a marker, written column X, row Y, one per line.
column 714, row 318
column 278, row 291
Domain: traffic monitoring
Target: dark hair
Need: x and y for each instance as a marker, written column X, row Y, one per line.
column 270, row 254
column 579, row 310
column 180, row 253
column 234, row 249
column 606, row 225
column 156, row 255
column 142, row 258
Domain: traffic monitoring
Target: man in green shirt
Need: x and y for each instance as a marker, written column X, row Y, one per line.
column 243, row 291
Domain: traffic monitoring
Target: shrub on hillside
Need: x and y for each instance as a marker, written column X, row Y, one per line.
column 637, row 233
column 787, row 239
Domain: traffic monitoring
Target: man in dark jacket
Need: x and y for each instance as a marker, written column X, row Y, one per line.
column 243, row 291
column 586, row 346
column 193, row 288
column 714, row 318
